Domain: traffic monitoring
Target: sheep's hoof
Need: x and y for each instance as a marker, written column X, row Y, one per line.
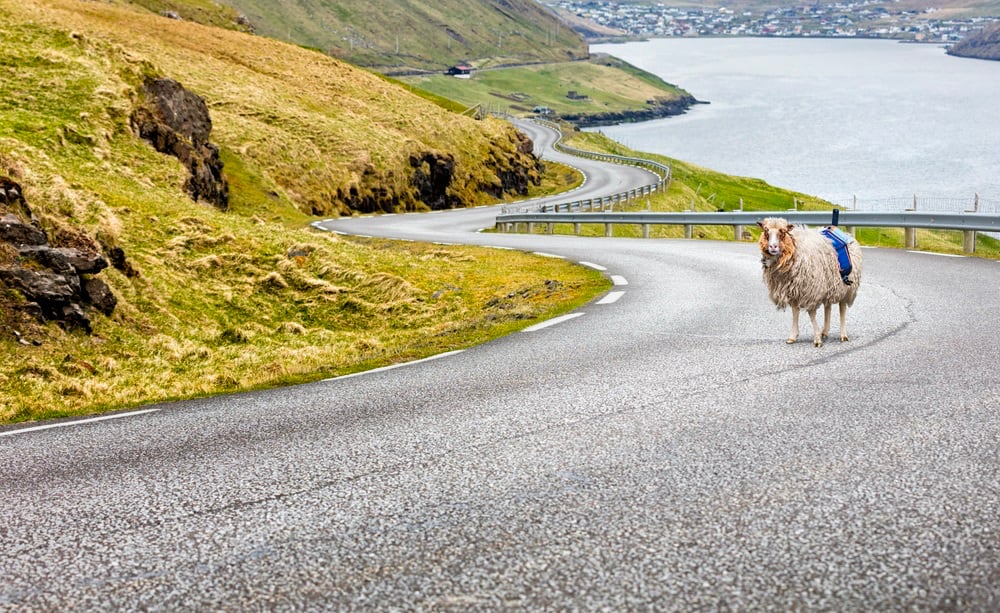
column 844, row 338
column 791, row 341
column 818, row 342
column 824, row 336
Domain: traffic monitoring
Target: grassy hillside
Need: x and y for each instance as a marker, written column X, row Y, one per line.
column 984, row 45
column 248, row 298
column 410, row 37
column 602, row 84
column 402, row 35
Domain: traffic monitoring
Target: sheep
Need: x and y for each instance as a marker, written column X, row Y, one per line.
column 801, row 270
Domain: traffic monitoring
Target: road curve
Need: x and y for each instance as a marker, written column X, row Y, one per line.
column 661, row 448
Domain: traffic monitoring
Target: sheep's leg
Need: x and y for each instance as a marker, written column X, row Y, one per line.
column 843, row 321
column 817, row 334
column 826, row 321
column 795, row 326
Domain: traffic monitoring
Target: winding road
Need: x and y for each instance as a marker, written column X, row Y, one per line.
column 661, row 448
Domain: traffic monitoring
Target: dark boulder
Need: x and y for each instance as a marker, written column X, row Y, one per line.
column 176, row 122
column 48, row 278
column 20, row 234
column 432, row 175
column 98, row 294
column 83, row 262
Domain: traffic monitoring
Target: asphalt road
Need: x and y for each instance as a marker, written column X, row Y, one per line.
column 661, row 449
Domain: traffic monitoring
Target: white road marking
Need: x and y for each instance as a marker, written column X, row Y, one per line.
column 611, row 298
column 67, row 424
column 552, row 322
column 944, row 255
column 549, row 255
column 392, row 366
column 594, row 266
column 619, row 280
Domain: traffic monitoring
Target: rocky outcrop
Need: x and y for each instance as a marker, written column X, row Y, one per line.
column 432, row 175
column 437, row 181
column 176, row 122
column 656, row 108
column 984, row 45
column 518, row 169
column 56, row 283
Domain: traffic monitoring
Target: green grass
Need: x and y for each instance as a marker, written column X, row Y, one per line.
column 605, row 84
column 398, row 35
column 253, row 297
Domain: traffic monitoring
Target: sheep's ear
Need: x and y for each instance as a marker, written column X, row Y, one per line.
column 790, row 226
column 761, row 224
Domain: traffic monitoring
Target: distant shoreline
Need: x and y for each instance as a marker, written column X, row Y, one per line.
column 658, row 110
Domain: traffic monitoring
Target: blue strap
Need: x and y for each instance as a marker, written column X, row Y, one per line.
column 840, row 241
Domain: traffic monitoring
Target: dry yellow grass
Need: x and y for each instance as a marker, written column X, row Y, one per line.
column 253, row 297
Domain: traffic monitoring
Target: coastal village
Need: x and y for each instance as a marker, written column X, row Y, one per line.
column 865, row 19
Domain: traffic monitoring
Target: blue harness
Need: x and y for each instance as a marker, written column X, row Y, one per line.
column 840, row 241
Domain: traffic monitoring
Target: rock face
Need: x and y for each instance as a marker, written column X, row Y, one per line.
column 56, row 282
column 515, row 177
column 984, row 45
column 176, row 122
column 432, row 175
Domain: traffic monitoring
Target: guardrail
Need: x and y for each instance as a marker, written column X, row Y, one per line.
column 662, row 171
column 969, row 223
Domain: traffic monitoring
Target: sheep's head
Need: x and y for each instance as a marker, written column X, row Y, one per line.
column 776, row 240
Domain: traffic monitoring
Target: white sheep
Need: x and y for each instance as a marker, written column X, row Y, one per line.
column 802, row 271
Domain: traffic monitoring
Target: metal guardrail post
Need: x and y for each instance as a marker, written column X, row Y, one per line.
column 969, row 241
column 910, row 234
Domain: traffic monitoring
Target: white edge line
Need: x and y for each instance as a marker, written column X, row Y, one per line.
column 552, row 322
column 944, row 255
column 77, row 422
column 549, row 255
column 592, row 265
column 619, row 280
column 611, row 297
column 392, row 366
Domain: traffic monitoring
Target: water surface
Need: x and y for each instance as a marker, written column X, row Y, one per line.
column 832, row 118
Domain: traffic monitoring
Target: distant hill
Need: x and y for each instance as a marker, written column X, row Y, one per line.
column 404, row 36
column 984, row 45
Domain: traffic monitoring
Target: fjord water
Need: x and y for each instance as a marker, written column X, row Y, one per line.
column 833, row 118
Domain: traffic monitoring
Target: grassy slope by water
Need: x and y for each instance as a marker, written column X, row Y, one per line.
column 603, row 84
